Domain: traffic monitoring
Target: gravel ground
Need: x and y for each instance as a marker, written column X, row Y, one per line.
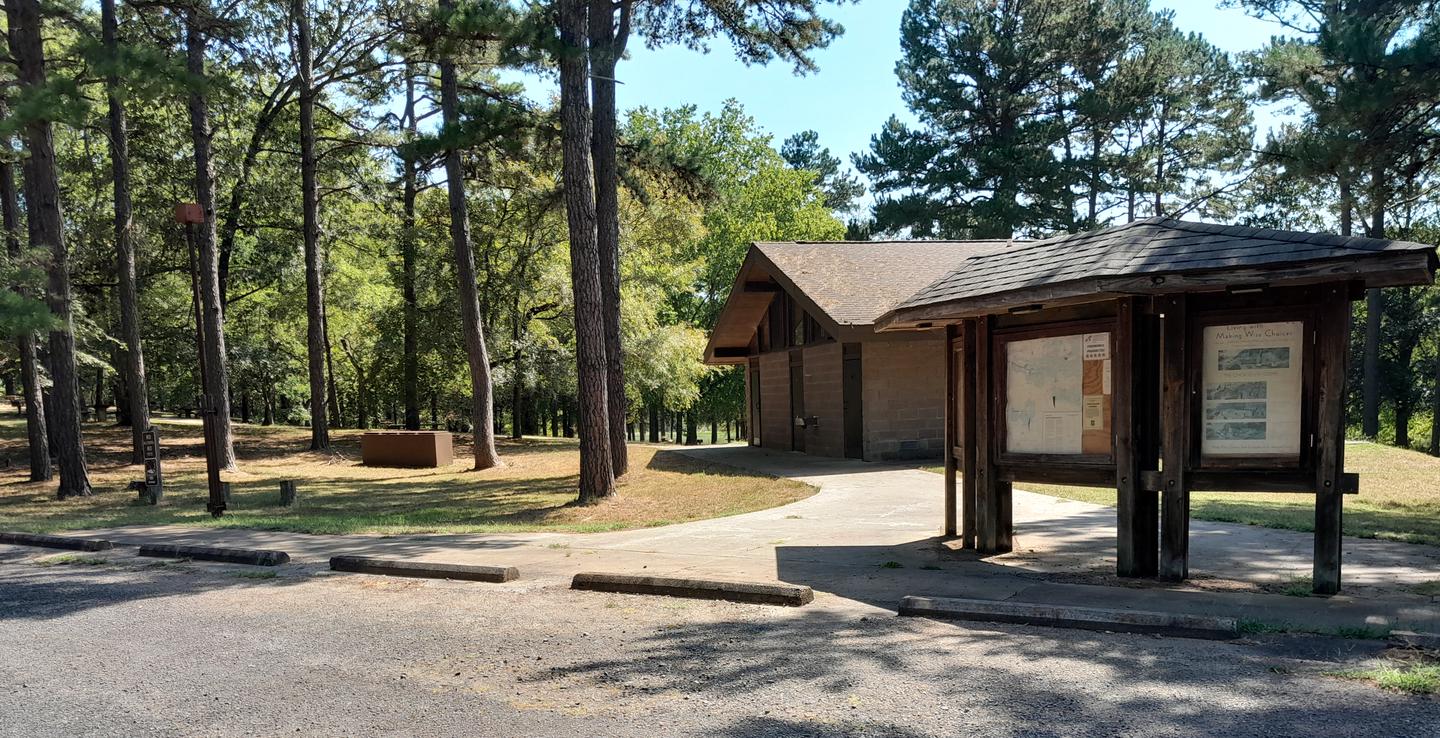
column 133, row 647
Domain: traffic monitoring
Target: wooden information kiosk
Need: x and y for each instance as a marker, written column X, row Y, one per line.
column 1157, row 358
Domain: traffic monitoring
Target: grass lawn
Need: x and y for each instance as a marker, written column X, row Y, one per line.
column 535, row 490
column 1399, row 498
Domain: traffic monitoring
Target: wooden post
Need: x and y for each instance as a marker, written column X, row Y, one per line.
column 1175, row 442
column 287, row 492
column 966, row 396
column 1137, row 511
column 993, row 518
column 1330, row 349
column 951, row 424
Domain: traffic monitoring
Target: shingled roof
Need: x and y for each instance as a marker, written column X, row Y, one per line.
column 1157, row 255
column 855, row 282
column 840, row 283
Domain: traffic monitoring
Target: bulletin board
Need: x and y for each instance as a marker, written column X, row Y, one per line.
column 1057, row 393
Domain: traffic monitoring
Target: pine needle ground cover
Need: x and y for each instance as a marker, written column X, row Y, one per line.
column 535, row 490
column 1399, row 498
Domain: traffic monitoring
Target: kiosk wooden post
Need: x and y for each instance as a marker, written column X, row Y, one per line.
column 1136, row 446
column 952, row 418
column 965, row 395
column 1175, row 441
column 1333, row 334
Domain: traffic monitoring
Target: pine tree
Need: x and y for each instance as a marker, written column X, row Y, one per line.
column 47, row 230
column 30, row 382
column 217, row 389
column 981, row 77
column 482, row 415
column 609, row 30
column 315, row 342
column 842, row 189
column 597, row 477
column 1365, row 73
column 134, row 374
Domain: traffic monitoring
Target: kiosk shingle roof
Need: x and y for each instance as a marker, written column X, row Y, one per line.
column 1152, row 246
column 855, row 282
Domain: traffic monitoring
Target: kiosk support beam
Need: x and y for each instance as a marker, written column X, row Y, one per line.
column 1330, row 348
column 1175, row 441
column 952, row 420
column 994, row 514
column 1136, row 447
column 966, row 396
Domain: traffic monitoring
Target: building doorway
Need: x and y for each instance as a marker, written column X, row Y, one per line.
column 852, row 397
column 797, row 401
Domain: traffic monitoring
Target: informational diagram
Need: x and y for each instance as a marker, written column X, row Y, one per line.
column 1252, row 386
column 1058, row 395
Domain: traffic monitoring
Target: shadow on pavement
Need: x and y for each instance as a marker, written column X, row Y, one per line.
column 1030, row 676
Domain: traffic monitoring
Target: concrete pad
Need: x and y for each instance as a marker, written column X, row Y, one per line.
column 702, row 589
column 424, row 569
column 1061, row 616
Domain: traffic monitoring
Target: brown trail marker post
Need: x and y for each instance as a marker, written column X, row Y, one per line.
column 190, row 215
column 150, row 452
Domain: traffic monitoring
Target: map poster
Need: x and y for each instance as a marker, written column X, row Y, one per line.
column 1252, row 387
column 1057, row 395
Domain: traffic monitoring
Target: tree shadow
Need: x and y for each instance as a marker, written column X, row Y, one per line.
column 34, row 592
column 1023, row 680
column 789, row 464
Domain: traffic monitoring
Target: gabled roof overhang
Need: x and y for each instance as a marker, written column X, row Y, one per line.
column 757, row 283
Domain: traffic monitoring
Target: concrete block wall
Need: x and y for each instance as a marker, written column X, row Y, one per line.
column 775, row 401
column 824, row 400
column 904, row 398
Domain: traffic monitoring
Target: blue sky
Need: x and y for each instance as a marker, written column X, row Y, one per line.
column 854, row 92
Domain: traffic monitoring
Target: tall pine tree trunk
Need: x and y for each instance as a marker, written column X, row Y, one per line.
column 30, row 386
column 482, row 413
column 607, row 45
column 1374, row 314
column 332, row 395
column 218, row 391
column 1435, row 411
column 410, row 362
column 597, row 479
column 310, row 199
column 134, row 374
column 47, row 229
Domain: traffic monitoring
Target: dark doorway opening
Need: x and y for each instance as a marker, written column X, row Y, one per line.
column 852, row 398
column 754, row 402
column 797, row 401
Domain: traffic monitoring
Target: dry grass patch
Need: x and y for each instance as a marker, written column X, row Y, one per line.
column 535, row 490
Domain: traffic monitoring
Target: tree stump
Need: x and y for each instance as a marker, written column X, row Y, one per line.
column 287, row 492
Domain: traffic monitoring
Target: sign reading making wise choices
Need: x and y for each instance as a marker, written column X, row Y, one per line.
column 1252, row 389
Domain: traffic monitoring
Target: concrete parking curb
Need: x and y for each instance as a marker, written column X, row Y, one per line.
column 424, row 569
column 1065, row 616
column 1427, row 641
column 251, row 556
column 705, row 589
column 65, row 542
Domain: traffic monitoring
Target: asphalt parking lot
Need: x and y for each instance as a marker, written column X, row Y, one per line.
column 114, row 645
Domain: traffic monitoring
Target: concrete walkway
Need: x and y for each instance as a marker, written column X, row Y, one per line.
column 869, row 537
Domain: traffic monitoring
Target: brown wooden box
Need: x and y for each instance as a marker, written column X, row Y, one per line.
column 416, row 449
